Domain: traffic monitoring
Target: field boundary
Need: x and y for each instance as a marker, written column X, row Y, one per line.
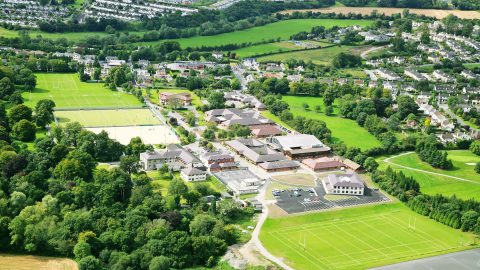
column 106, row 108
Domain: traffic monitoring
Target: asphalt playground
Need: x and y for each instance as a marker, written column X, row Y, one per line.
column 298, row 200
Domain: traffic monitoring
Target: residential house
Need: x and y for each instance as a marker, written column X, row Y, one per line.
column 183, row 99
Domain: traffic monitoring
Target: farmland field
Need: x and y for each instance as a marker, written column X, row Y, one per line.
column 437, row 13
column 276, row 47
column 278, row 30
column 359, row 238
column 318, row 56
column 106, row 118
column 343, row 129
column 440, row 182
column 68, row 92
column 28, row 262
column 71, row 36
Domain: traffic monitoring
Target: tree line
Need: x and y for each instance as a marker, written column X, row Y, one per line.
column 451, row 211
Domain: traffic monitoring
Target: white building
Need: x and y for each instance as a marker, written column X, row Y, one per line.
column 343, row 184
column 192, row 174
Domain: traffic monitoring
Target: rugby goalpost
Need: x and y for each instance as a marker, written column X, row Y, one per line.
column 304, row 243
column 412, row 224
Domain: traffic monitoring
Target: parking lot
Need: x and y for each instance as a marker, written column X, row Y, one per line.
column 297, row 200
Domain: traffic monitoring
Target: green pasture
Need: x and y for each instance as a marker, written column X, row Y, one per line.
column 359, row 238
column 71, row 36
column 68, row 92
column 275, row 47
column 321, row 56
column 343, row 129
column 440, row 183
column 108, row 118
column 278, row 30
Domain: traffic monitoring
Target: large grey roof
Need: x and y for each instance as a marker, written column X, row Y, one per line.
column 345, row 180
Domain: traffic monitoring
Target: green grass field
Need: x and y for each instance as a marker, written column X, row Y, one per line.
column 68, row 92
column 462, row 160
column 318, row 56
column 359, row 238
column 276, row 47
column 281, row 29
column 108, row 118
column 343, row 129
column 71, row 36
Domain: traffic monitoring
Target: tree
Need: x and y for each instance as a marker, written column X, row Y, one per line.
column 370, row 164
column 475, row 147
column 19, row 112
column 89, row 263
column 6, row 88
column 425, row 37
column 318, row 108
column 305, row 106
column 129, row 164
column 82, row 250
column 406, row 106
column 177, row 187
column 160, row 263
column 24, row 130
column 216, row 100
column 477, row 167
column 328, row 110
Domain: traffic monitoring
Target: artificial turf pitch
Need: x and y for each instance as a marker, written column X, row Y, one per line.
column 359, row 238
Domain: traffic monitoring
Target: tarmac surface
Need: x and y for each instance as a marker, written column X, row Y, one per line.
column 313, row 199
column 464, row 260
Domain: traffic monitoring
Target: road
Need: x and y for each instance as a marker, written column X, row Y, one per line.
column 459, row 119
column 256, row 232
column 424, row 171
column 365, row 53
column 238, row 71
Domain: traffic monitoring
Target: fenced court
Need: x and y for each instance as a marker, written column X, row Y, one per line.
column 359, row 242
column 159, row 134
column 107, row 118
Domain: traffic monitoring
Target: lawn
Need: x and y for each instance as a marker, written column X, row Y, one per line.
column 160, row 183
column 343, row 129
column 278, row 30
column 275, row 47
column 68, row 92
column 359, row 238
column 462, row 160
column 317, row 56
column 109, row 118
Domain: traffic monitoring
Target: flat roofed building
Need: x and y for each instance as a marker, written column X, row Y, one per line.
column 343, row 184
column 300, row 146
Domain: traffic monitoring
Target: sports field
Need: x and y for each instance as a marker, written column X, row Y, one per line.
column 108, row 118
column 359, row 238
column 68, row 92
column 158, row 134
column 343, row 129
column 318, row 56
column 278, row 30
column 462, row 180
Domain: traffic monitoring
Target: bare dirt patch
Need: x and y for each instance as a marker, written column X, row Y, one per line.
column 437, row 13
column 28, row 262
column 299, row 179
column 275, row 211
